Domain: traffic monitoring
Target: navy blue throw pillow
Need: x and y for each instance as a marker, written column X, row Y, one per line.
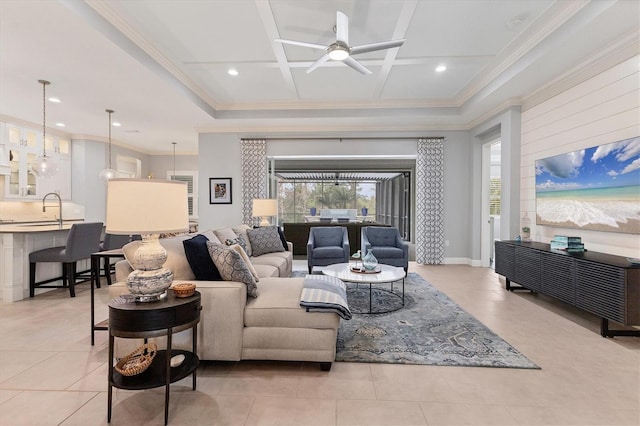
column 199, row 259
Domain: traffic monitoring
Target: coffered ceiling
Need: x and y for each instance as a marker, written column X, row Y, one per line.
column 163, row 65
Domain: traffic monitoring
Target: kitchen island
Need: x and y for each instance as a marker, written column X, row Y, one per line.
column 17, row 240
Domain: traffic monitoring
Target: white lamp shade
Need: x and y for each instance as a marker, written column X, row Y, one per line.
column 265, row 207
column 146, row 206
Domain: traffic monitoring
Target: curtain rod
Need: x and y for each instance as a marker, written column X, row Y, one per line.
column 353, row 138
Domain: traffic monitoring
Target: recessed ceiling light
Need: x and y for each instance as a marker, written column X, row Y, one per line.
column 60, row 124
column 54, row 100
column 232, row 71
column 115, row 124
column 441, row 68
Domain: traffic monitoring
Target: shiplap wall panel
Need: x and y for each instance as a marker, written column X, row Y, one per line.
column 603, row 109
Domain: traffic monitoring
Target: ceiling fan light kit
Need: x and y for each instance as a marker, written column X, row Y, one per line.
column 340, row 49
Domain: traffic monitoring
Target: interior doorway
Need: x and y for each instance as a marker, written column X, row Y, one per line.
column 491, row 200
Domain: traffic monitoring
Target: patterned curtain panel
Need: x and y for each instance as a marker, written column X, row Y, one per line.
column 430, row 201
column 254, row 175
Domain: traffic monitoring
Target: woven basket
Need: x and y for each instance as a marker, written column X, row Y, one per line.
column 137, row 361
column 184, row 289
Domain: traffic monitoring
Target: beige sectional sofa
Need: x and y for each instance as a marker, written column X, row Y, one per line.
column 234, row 326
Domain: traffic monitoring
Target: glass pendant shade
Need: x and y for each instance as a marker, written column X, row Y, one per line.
column 43, row 166
column 107, row 174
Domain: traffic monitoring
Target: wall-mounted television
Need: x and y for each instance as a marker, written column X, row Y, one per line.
column 596, row 188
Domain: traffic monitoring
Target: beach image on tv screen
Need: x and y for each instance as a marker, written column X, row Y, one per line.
column 596, row 188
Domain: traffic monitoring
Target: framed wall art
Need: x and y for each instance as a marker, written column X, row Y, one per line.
column 219, row 190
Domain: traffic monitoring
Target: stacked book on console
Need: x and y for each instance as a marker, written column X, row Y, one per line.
column 569, row 244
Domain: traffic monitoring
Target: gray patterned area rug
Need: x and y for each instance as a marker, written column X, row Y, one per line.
column 430, row 329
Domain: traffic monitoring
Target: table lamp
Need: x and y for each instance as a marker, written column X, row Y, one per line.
column 264, row 208
column 148, row 207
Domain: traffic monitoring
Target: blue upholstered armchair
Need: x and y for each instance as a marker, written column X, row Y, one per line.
column 327, row 245
column 386, row 245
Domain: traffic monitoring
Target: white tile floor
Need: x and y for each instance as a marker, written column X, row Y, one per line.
column 50, row 374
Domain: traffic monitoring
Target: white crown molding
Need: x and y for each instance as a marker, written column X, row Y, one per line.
column 131, row 41
column 555, row 17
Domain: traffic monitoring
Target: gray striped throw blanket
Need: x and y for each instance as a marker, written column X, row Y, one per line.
column 321, row 293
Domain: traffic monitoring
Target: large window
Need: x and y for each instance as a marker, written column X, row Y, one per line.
column 297, row 197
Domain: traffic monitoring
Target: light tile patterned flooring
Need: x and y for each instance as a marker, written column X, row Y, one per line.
column 51, row 375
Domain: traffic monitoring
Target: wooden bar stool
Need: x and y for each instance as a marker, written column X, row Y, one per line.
column 83, row 240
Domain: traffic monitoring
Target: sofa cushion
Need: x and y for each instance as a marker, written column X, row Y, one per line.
column 238, row 240
column 265, row 240
column 279, row 306
column 267, row 271
column 232, row 267
column 328, row 252
column 282, row 261
column 225, row 234
column 202, row 265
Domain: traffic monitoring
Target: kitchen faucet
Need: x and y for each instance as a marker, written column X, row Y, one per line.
column 44, row 208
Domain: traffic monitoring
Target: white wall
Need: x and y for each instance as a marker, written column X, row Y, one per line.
column 88, row 158
column 159, row 165
column 603, row 109
column 506, row 126
column 219, row 156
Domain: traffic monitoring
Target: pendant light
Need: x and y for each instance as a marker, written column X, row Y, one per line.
column 108, row 173
column 44, row 166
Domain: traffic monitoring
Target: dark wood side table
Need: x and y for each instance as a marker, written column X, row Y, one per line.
column 130, row 319
column 95, row 278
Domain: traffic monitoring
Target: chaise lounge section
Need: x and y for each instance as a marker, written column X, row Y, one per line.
column 235, row 326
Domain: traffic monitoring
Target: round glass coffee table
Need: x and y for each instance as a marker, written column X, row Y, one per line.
column 387, row 275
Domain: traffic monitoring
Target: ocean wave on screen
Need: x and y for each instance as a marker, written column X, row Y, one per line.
column 583, row 213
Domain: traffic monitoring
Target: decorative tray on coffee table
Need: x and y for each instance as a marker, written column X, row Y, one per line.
column 364, row 271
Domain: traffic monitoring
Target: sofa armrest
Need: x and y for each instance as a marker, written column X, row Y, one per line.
column 290, row 246
column 123, row 269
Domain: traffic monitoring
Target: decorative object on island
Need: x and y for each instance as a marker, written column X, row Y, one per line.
column 313, row 211
column 108, row 173
column 265, row 208
column 148, row 207
column 219, row 190
column 369, row 261
column 526, row 227
column 364, row 211
column 44, row 166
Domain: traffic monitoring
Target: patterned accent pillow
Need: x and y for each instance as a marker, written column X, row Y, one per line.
column 264, row 240
column 232, row 267
column 238, row 240
column 241, row 231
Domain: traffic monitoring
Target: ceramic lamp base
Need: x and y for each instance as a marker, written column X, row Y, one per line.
column 149, row 285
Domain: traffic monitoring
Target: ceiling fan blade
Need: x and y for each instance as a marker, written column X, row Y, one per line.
column 376, row 46
column 356, row 65
column 301, row 43
column 317, row 63
column 342, row 28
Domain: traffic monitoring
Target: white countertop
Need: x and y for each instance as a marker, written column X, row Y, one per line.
column 21, row 228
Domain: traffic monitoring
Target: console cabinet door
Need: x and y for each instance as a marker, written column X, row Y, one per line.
column 600, row 289
column 528, row 268
column 558, row 277
column 505, row 259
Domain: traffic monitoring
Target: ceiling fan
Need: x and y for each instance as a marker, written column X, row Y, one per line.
column 340, row 49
